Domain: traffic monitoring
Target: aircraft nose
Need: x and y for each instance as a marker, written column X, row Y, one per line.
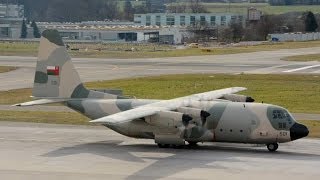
column 298, row 131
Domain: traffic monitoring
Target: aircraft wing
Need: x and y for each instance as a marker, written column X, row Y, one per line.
column 212, row 95
column 166, row 105
column 129, row 115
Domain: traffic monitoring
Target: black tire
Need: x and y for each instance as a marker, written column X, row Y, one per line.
column 272, row 147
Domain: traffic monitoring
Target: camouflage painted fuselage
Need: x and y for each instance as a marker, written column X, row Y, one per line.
column 202, row 117
column 228, row 121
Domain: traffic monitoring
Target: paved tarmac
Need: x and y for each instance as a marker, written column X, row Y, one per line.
column 266, row 62
column 42, row 151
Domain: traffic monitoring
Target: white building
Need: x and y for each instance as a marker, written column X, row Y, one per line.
column 11, row 11
column 187, row 19
column 114, row 33
column 11, row 17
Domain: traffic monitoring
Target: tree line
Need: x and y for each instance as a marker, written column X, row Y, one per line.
column 293, row 2
column 99, row 10
column 258, row 30
column 79, row 10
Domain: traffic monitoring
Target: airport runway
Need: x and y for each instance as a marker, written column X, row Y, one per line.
column 267, row 62
column 42, row 151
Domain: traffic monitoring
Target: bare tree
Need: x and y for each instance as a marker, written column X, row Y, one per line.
column 177, row 8
column 225, row 34
column 196, row 6
column 201, row 31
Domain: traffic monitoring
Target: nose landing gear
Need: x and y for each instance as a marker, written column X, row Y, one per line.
column 272, row 147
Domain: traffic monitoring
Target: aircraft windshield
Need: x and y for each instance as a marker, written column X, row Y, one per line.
column 280, row 118
column 280, row 114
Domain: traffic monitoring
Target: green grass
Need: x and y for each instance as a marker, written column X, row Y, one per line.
column 298, row 93
column 309, row 57
column 4, row 69
column 241, row 8
column 147, row 50
column 15, row 96
column 18, row 48
column 44, row 117
column 314, row 128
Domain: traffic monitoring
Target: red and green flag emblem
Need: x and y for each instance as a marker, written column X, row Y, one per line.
column 53, row 70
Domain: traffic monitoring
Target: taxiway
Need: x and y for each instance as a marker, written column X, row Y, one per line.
column 266, row 62
column 42, row 151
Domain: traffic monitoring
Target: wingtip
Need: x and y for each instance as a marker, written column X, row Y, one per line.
column 241, row 88
column 101, row 120
column 96, row 121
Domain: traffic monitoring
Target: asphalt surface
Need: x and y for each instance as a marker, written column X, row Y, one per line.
column 41, row 151
column 267, row 62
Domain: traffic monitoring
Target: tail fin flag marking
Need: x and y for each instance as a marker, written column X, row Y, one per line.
column 55, row 75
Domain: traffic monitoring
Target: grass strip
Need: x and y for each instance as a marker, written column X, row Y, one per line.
column 121, row 51
column 44, row 117
column 4, row 69
column 298, row 93
column 303, row 58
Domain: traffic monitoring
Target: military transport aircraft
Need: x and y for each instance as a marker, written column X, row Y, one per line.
column 216, row 116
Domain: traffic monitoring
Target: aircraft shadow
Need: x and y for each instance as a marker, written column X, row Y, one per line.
column 178, row 160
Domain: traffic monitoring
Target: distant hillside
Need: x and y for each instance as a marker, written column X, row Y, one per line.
column 85, row 10
column 72, row 10
column 294, row 2
column 264, row 7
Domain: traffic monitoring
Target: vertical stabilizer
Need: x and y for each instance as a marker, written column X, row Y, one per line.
column 55, row 74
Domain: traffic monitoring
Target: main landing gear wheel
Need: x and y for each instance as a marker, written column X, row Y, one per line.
column 272, row 147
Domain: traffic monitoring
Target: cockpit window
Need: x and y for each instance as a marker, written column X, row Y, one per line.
column 280, row 118
column 280, row 114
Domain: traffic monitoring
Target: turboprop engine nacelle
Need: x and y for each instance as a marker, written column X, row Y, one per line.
column 199, row 116
column 237, row 98
column 168, row 119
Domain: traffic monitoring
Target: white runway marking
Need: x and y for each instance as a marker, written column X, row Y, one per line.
column 303, row 68
column 240, row 65
column 193, row 70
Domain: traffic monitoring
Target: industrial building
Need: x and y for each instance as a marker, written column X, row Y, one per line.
column 100, row 32
column 11, row 17
column 187, row 19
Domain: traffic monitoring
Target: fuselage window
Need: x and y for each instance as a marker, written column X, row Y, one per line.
column 282, row 125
